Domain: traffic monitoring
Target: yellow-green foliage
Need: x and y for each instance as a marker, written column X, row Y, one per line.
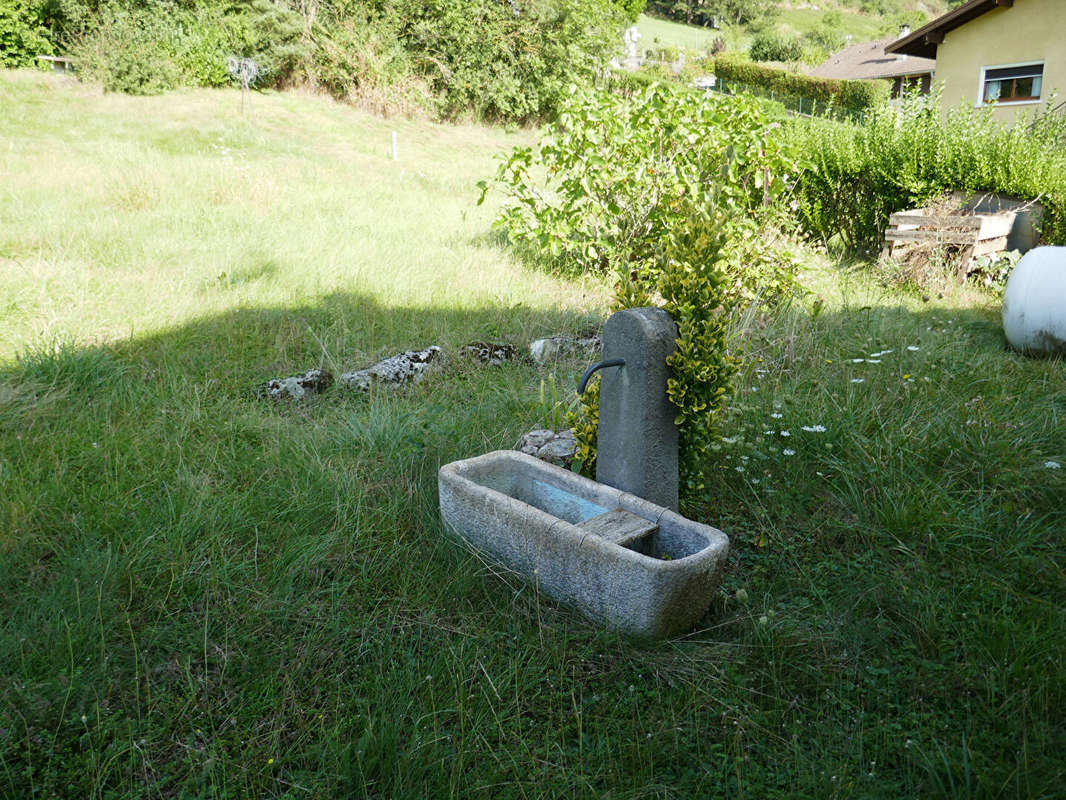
column 659, row 191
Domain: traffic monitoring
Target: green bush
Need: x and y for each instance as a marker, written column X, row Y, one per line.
column 631, row 9
column 505, row 61
column 131, row 51
column 23, row 36
column 769, row 46
column 665, row 192
column 899, row 158
column 493, row 59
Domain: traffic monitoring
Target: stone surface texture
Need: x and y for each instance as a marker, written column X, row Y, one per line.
column 491, row 353
column 397, row 369
column 636, row 440
column 527, row 515
column 544, row 350
column 555, row 448
column 296, row 387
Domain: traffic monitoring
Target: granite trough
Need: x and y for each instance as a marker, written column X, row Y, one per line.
column 621, row 560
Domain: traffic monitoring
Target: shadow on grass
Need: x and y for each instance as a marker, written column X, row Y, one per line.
column 201, row 589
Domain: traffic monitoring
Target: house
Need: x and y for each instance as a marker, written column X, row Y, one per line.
column 1004, row 56
column 868, row 60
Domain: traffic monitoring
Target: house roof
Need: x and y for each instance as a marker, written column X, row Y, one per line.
column 923, row 41
column 869, row 60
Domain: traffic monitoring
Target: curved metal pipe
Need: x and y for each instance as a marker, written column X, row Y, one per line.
column 614, row 362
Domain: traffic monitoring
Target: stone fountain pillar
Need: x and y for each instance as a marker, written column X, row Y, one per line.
column 636, row 448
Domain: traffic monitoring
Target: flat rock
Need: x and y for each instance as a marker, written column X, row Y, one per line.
column 491, row 353
column 296, row 387
column 401, row 368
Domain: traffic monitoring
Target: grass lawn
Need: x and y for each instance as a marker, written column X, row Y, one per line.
column 863, row 27
column 656, row 32
column 204, row 594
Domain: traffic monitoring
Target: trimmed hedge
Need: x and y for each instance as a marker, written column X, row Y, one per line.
column 850, row 96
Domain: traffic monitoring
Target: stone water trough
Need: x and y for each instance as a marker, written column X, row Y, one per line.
column 614, row 548
column 623, row 561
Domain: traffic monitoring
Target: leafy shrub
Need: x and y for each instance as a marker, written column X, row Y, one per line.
column 664, row 191
column 150, row 50
column 901, row 157
column 23, row 36
column 770, row 46
column 505, row 61
column 631, row 9
column 365, row 63
column 494, row 59
column 131, row 51
column 273, row 35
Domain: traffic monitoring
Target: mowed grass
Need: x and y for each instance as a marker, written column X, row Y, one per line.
column 863, row 27
column 656, row 32
column 204, row 594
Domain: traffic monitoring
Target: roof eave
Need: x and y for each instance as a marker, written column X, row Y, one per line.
column 923, row 42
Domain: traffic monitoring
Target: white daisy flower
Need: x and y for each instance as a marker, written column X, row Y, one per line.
column 1052, row 465
column 788, row 452
column 814, row 428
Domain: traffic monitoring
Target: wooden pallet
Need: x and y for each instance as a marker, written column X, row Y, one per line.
column 974, row 234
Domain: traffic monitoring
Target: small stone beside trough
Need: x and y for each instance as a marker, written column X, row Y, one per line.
column 555, row 448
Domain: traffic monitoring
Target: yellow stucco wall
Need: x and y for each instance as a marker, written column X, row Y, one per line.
column 1031, row 30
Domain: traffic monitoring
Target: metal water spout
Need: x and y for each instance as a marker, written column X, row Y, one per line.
column 636, row 441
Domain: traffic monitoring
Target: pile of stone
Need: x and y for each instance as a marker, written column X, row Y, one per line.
column 555, row 448
column 411, row 366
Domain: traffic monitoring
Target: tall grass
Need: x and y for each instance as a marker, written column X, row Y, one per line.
column 206, row 595
column 908, row 153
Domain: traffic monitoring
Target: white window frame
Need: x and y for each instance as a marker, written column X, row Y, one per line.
column 1000, row 103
